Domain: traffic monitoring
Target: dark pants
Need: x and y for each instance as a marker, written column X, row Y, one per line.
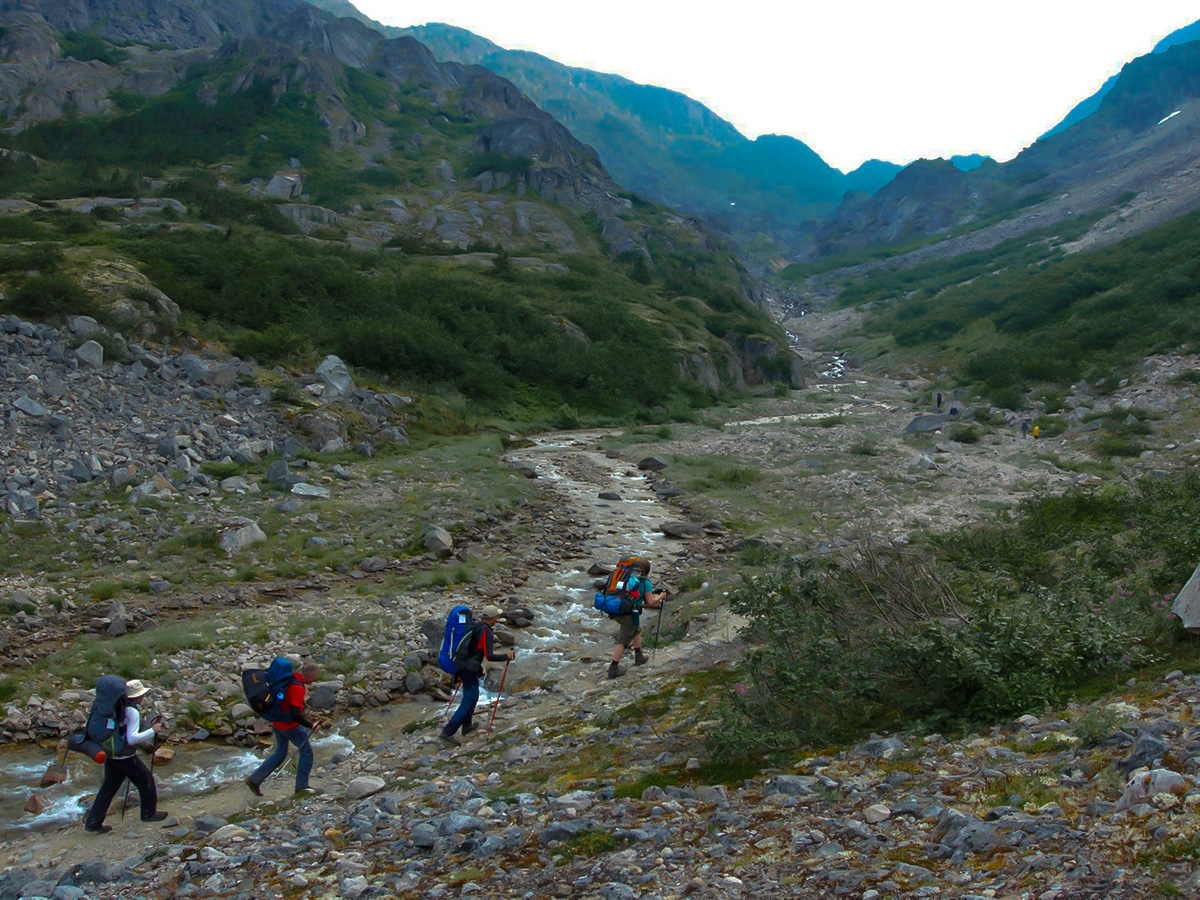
column 298, row 736
column 115, row 773
column 466, row 709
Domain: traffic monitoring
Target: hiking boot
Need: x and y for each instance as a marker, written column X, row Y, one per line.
column 449, row 739
column 255, row 787
column 467, row 729
column 98, row 829
column 155, row 817
column 640, row 658
column 306, row 792
column 614, row 670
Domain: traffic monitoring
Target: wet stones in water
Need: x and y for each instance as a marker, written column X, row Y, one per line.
column 595, row 570
column 610, row 495
column 526, row 471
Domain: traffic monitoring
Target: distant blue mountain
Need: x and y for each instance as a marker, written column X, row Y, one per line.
column 872, row 175
column 1085, row 108
column 965, row 163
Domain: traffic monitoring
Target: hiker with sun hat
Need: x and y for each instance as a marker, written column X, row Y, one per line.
column 123, row 762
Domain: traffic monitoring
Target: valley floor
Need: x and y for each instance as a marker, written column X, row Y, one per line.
column 596, row 788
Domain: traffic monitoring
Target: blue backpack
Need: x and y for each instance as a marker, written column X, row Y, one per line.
column 265, row 688
column 622, row 592
column 458, row 624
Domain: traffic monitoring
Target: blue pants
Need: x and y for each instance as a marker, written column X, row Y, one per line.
column 298, row 736
column 466, row 709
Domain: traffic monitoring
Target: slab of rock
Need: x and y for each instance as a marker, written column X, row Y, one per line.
column 609, row 495
column 436, row 539
column 364, row 786
column 31, row 407
column 681, row 529
column 238, row 538
column 311, row 491
column 1143, row 786
column 1187, row 603
column 336, row 378
column 90, row 354
column 652, row 464
column 323, row 696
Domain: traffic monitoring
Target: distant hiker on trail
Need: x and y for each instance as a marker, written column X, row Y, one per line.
column 117, row 703
column 640, row 593
column 1037, row 432
column 938, row 397
column 472, row 650
column 291, row 727
column 1024, row 429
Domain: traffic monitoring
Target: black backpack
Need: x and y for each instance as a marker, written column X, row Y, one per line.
column 265, row 688
column 464, row 658
column 104, row 736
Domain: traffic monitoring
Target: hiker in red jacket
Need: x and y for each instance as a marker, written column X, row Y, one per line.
column 292, row 727
column 476, row 646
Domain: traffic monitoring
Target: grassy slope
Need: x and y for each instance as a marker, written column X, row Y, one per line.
column 1026, row 312
column 496, row 337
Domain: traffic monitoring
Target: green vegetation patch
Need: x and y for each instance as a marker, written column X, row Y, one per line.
column 974, row 626
column 1025, row 313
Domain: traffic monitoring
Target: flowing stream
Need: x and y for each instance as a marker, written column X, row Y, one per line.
column 568, row 641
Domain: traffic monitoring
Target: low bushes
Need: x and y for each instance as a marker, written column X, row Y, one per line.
column 973, row 627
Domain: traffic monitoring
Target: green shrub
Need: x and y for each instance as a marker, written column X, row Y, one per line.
column 115, row 349
column 42, row 258
column 735, row 476
column 964, row 434
column 839, row 648
column 86, row 46
column 1119, row 446
column 496, row 162
column 44, row 296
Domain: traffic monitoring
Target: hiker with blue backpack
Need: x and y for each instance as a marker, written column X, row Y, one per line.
column 472, row 642
column 277, row 694
column 627, row 592
column 115, row 728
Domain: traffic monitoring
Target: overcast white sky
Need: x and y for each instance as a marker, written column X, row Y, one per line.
column 854, row 80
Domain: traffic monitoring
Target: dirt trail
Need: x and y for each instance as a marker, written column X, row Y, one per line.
column 567, row 647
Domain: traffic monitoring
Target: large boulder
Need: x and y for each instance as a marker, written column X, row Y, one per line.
column 321, row 427
column 436, row 539
column 1187, row 603
column 239, row 536
column 333, row 374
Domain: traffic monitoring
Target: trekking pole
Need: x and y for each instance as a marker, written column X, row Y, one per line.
column 125, row 805
column 499, row 694
column 657, row 628
column 457, row 685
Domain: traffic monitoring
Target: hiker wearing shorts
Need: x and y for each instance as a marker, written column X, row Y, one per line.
column 291, row 728
column 479, row 643
column 629, row 633
column 125, row 764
